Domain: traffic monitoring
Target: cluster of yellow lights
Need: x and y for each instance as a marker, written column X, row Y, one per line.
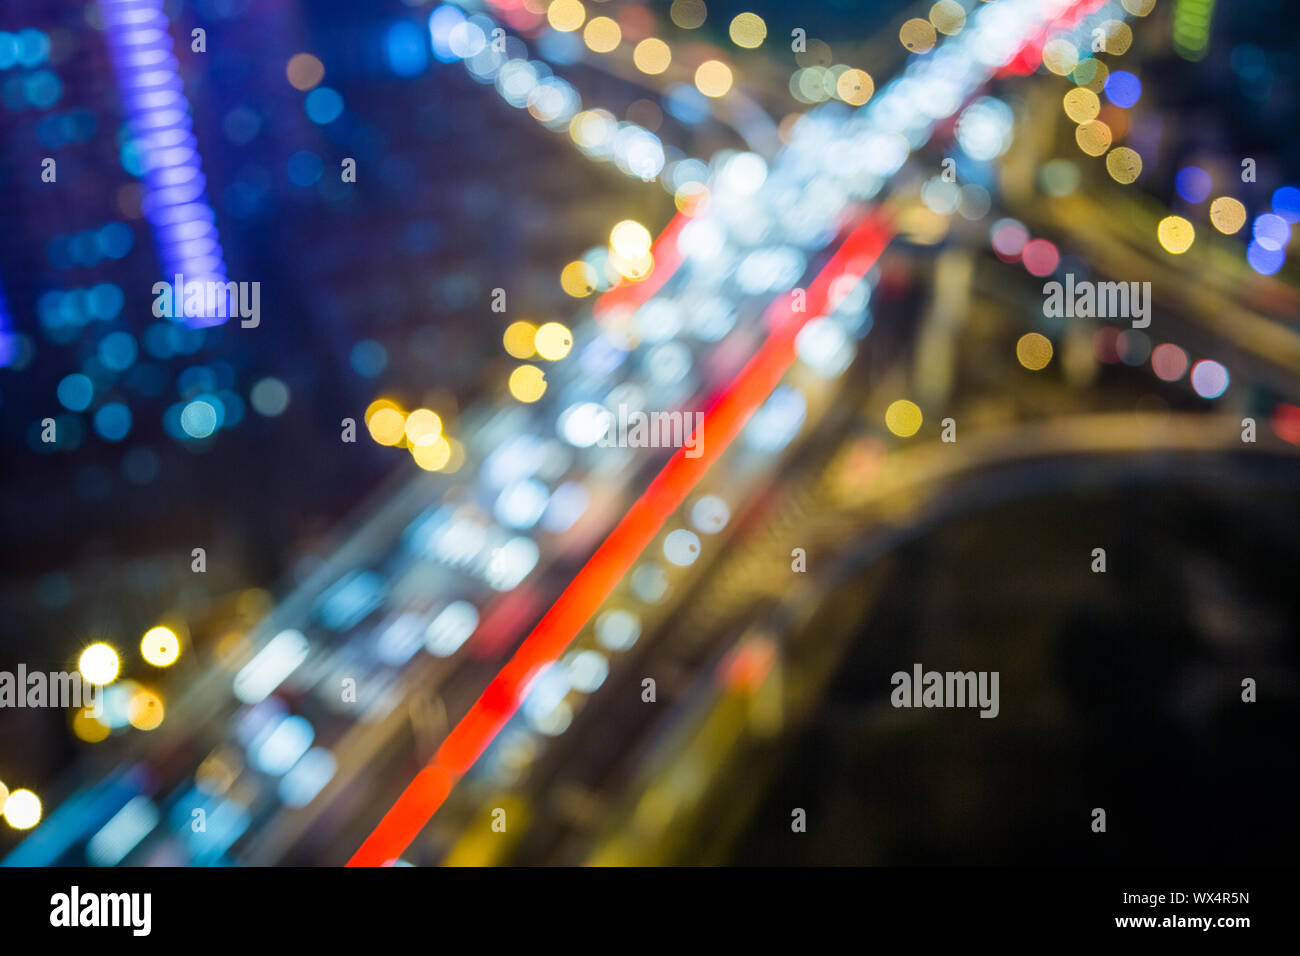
column 100, row 665
column 1088, row 72
column 420, row 431
column 903, row 418
column 652, row 56
column 748, row 30
column 1083, row 106
column 566, row 15
column 552, row 341
column 429, row 447
column 713, row 78
column 1176, row 234
column 629, row 247
column 1034, row 351
column 21, row 808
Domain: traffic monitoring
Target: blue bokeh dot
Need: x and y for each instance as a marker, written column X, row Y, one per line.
column 1286, row 203
column 305, row 168
column 1193, row 184
column 324, row 105
column 1123, row 89
column 118, row 350
column 115, row 240
column 406, row 48
column 33, row 46
column 1271, row 231
column 1264, row 261
column 104, row 300
column 9, row 48
column 113, row 421
column 42, row 89
column 199, row 419
column 75, row 392
column 369, row 358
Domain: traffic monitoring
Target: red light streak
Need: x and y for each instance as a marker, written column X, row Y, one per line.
column 726, row 414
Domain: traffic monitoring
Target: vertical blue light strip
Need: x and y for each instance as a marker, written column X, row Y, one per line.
column 8, row 341
column 158, row 114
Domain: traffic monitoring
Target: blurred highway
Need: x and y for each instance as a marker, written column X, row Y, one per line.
column 469, row 645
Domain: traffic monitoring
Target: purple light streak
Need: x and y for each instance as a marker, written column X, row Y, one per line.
column 153, row 100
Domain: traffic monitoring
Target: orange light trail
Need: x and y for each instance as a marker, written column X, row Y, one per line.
column 726, row 414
